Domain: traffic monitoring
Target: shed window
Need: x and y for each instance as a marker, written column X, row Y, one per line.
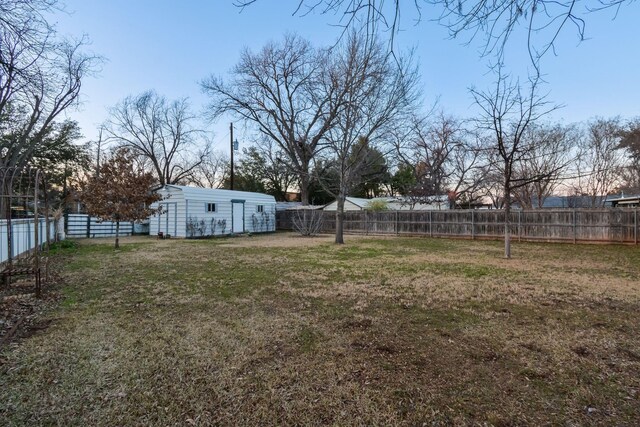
column 211, row 207
column 260, row 208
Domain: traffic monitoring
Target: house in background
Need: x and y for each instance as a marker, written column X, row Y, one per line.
column 435, row 203
column 350, row 204
column 625, row 202
column 571, row 202
column 198, row 212
column 291, row 196
column 430, row 203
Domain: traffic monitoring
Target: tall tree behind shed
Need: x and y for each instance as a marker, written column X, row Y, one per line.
column 162, row 134
column 282, row 92
column 119, row 192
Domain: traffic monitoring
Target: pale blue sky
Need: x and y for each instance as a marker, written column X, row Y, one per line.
column 170, row 46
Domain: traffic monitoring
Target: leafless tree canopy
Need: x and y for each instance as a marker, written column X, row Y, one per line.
column 630, row 144
column 161, row 133
column 601, row 163
column 212, row 171
column 507, row 114
column 444, row 156
column 278, row 177
column 281, row 92
column 495, row 21
column 40, row 77
column 549, row 151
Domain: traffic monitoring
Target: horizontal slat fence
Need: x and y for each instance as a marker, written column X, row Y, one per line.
column 81, row 225
column 612, row 225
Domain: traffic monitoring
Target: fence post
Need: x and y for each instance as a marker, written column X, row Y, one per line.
column 473, row 233
column 635, row 226
column 88, row 226
column 575, row 231
column 366, row 223
column 430, row 224
column 520, row 225
column 397, row 229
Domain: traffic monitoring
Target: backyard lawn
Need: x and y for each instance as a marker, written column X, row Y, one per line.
column 284, row 330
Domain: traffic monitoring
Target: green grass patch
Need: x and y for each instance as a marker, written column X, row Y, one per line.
column 63, row 247
column 308, row 339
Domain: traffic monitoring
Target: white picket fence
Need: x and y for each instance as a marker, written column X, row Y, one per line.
column 23, row 236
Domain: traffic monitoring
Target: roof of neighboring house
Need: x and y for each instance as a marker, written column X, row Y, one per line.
column 283, row 206
column 399, row 203
column 626, row 200
column 568, row 201
column 436, row 198
column 355, row 201
column 360, row 202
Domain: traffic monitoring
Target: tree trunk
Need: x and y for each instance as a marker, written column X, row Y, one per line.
column 340, row 219
column 304, row 190
column 507, row 222
column 117, row 234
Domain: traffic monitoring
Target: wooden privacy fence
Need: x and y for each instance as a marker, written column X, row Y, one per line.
column 613, row 225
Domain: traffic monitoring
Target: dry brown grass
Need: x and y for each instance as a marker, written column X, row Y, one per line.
column 282, row 330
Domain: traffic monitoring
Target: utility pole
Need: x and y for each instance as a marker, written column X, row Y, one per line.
column 231, row 145
column 234, row 147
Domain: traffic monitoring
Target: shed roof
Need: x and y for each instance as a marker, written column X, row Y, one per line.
column 198, row 192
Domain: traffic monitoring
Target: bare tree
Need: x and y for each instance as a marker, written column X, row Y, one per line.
column 507, row 113
column 281, row 92
column 40, row 77
column 277, row 175
column 492, row 187
column 601, row 162
column 468, row 170
column 373, row 94
column 161, row 133
column 307, row 222
column 260, row 169
column 549, row 153
column 212, row 171
column 630, row 143
column 542, row 21
column 444, row 157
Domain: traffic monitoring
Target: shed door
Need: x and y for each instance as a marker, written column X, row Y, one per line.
column 237, row 217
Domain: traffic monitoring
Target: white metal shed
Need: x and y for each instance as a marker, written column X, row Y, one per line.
column 197, row 212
